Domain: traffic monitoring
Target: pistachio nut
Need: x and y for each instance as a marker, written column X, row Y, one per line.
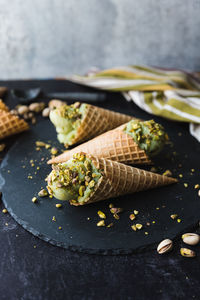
column 187, row 252
column 191, row 238
column 165, row 246
column 54, row 103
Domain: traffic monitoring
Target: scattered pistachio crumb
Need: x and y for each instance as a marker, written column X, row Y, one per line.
column 192, row 170
column 30, row 177
column 174, row 216
column 179, row 220
column 185, row 185
column 132, row 217
column 148, row 224
column 153, row 222
column 146, row 233
column 59, row 227
column 116, row 216
column 167, row 173
column 34, row 199
column 134, row 227
column 54, row 219
column 4, row 211
column 101, row 214
column 54, row 151
column 101, row 223
column 136, row 212
column 199, row 193
column 139, row 226
column 58, row 205
column 197, row 186
column 157, row 208
column 34, row 246
column 110, row 225
column 6, row 224
column 38, row 168
column 32, row 165
column 111, row 205
column 50, row 196
column 180, row 175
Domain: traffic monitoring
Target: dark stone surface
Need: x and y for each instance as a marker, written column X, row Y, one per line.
column 49, row 272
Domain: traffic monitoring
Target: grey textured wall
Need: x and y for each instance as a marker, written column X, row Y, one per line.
column 45, row 38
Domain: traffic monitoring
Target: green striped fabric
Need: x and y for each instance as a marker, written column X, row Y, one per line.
column 170, row 94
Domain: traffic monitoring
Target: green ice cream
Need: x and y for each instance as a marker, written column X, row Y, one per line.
column 67, row 119
column 73, row 180
column 149, row 135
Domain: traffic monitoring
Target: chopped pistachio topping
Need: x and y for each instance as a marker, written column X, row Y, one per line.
column 72, row 180
column 54, row 219
column 58, row 205
column 149, row 135
column 4, row 211
column 197, row 186
column 136, row 212
column 134, row 227
column 185, row 185
column 110, row 225
column 67, row 119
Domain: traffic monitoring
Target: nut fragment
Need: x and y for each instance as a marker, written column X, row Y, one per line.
column 191, row 238
column 101, row 223
column 173, row 217
column 132, row 217
column 165, row 246
column 187, row 252
column 45, row 112
column 34, row 199
column 101, row 214
column 43, row 193
column 37, row 107
column 54, row 103
column 23, row 109
column 54, row 151
column 167, row 173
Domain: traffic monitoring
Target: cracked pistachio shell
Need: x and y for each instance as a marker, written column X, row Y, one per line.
column 191, row 238
column 165, row 246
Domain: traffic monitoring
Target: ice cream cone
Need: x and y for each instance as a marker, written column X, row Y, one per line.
column 119, row 179
column 115, row 145
column 98, row 120
column 11, row 124
column 3, row 106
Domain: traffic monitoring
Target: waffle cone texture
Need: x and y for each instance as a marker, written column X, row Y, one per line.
column 98, row 120
column 119, row 179
column 11, row 124
column 114, row 145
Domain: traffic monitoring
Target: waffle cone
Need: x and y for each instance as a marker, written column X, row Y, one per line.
column 3, row 106
column 3, row 90
column 10, row 124
column 114, row 145
column 98, row 120
column 119, row 179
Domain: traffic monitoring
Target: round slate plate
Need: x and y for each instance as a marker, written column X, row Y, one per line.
column 79, row 230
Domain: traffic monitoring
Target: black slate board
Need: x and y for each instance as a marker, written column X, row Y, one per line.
column 80, row 233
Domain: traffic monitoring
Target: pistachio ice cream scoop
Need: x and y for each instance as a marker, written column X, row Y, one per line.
column 73, row 180
column 67, row 119
column 79, row 122
column 149, row 135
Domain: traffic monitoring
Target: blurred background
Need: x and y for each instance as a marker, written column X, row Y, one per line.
column 47, row 38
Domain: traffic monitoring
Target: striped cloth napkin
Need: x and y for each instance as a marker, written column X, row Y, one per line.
column 170, row 94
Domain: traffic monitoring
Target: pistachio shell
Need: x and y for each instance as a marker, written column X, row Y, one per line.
column 165, row 246
column 191, row 238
